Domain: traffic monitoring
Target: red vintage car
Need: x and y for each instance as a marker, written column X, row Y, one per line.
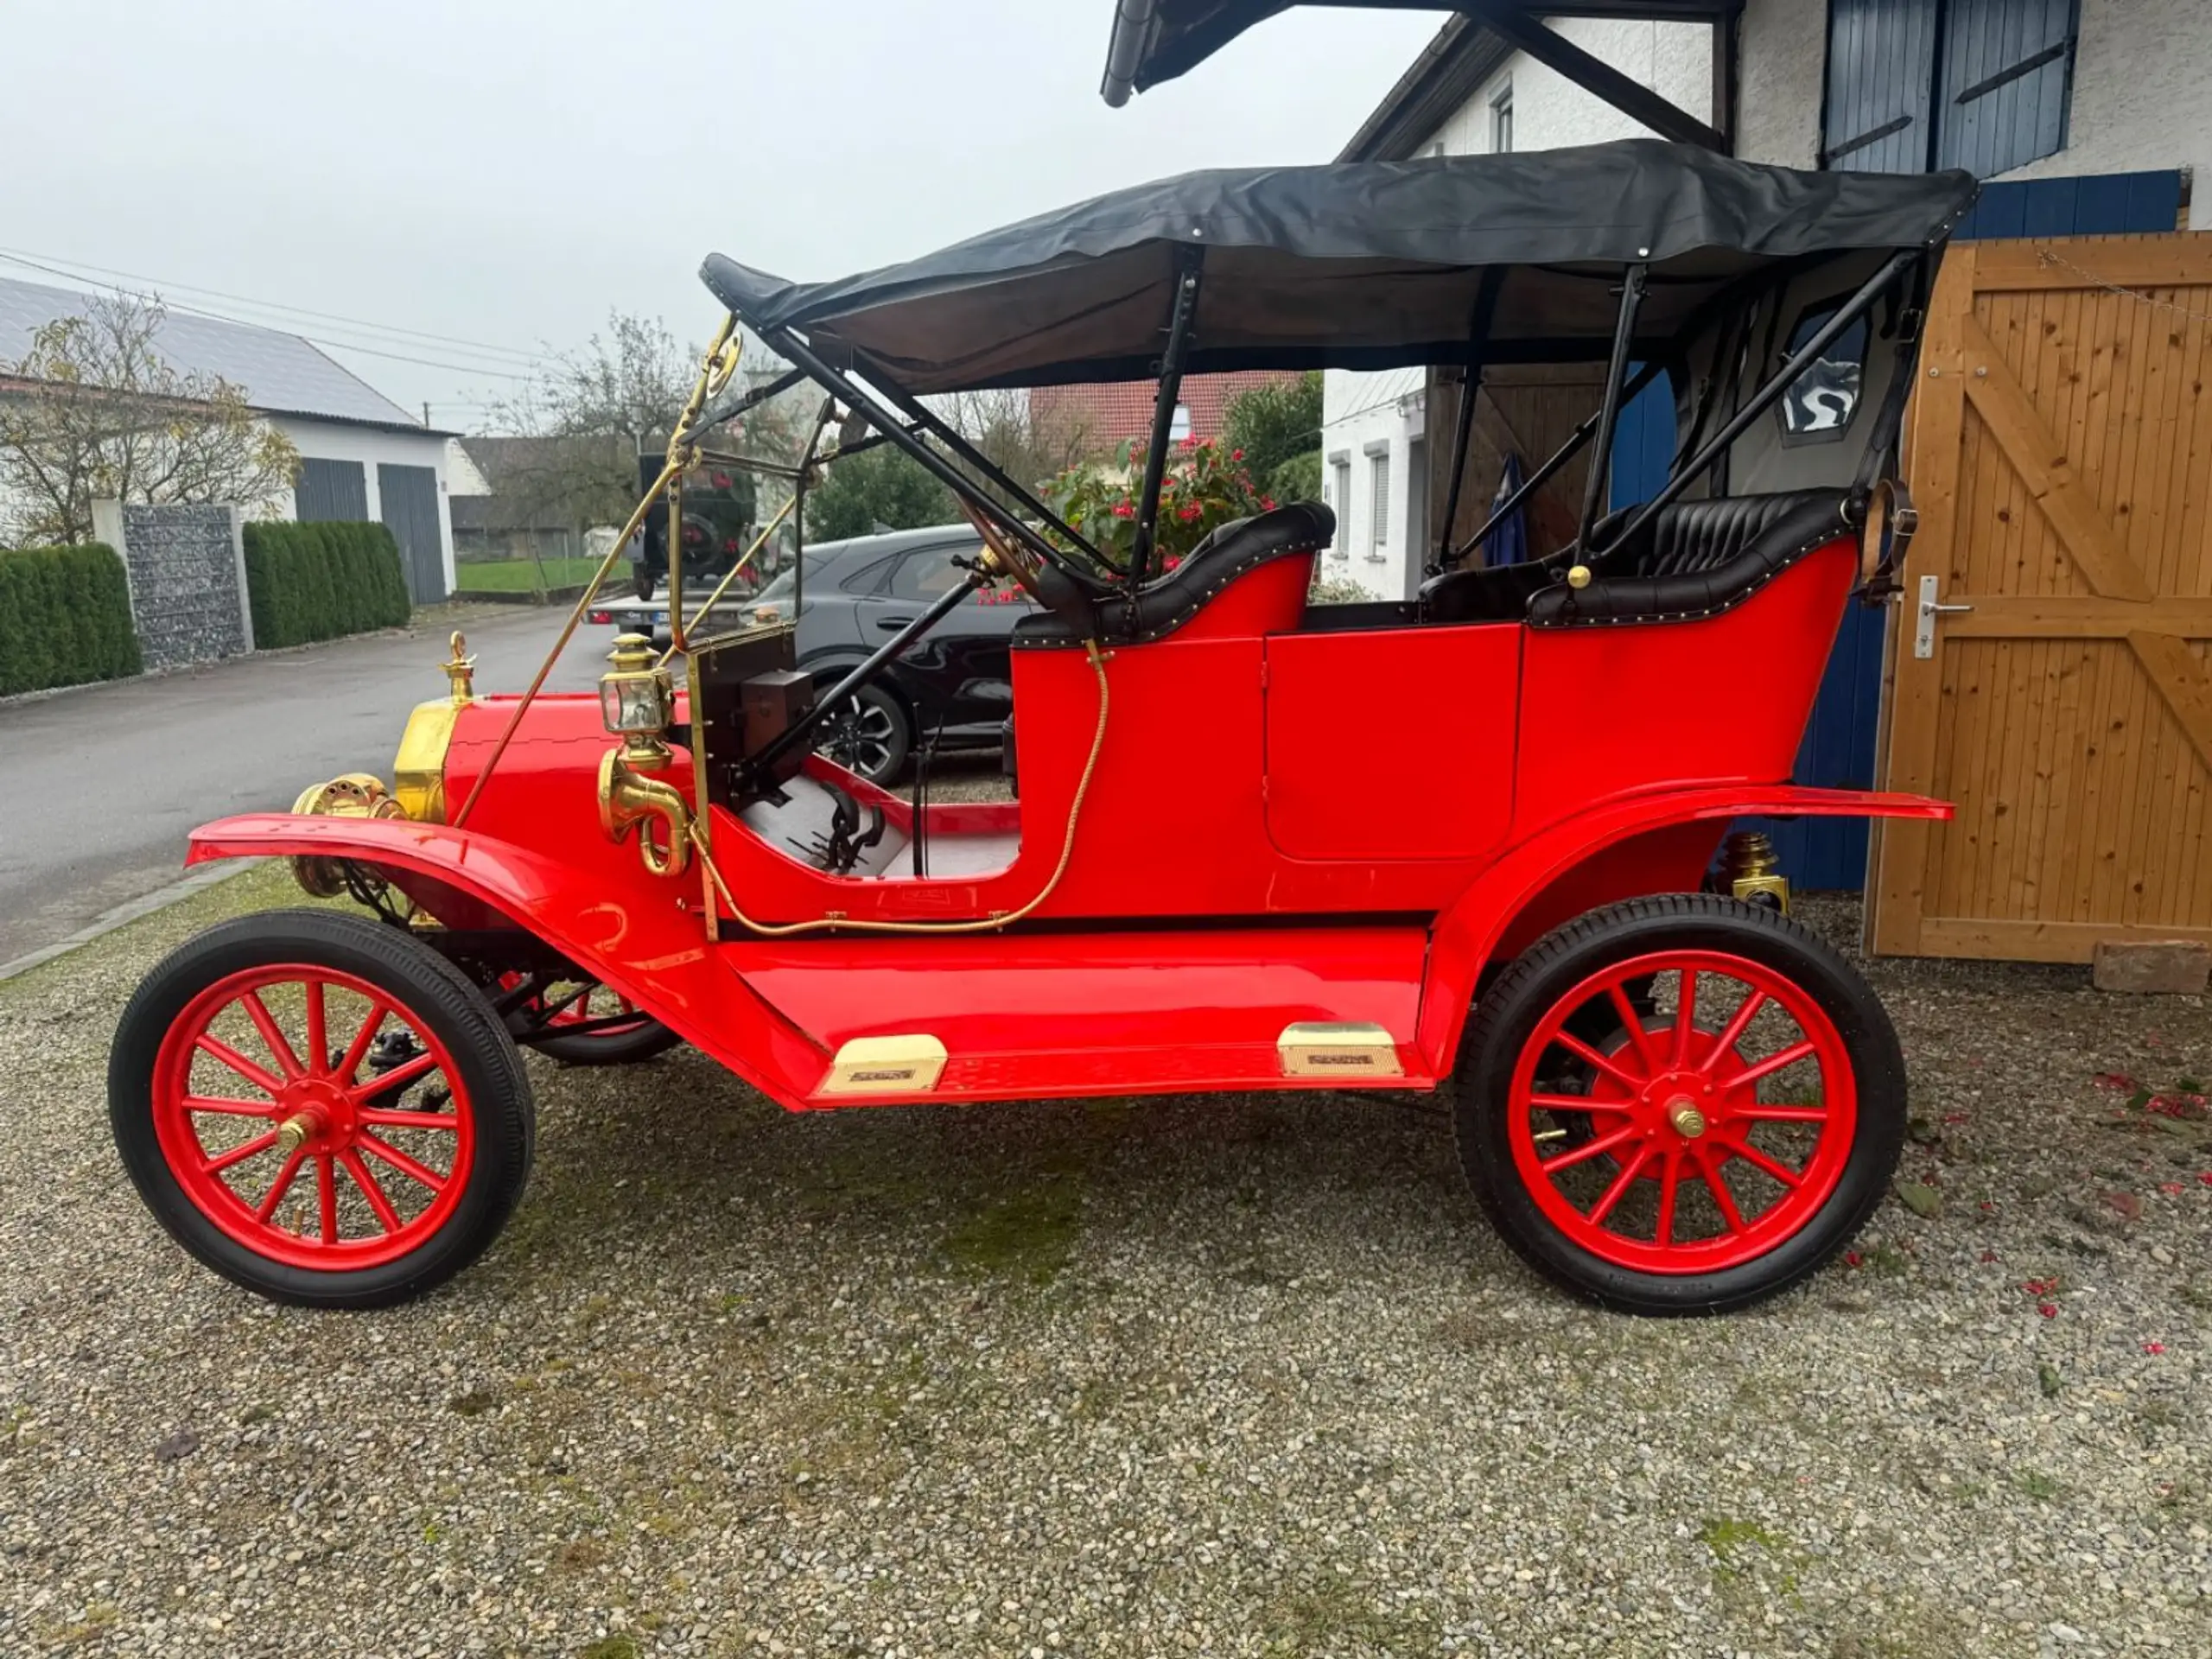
column 1463, row 842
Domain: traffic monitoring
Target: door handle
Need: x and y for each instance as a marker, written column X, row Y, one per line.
column 892, row 624
column 1923, row 631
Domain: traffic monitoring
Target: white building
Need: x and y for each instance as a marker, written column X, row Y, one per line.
column 2010, row 89
column 363, row 457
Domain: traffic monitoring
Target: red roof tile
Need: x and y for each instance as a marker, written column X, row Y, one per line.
column 1111, row 414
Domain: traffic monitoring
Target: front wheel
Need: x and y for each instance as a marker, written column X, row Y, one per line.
column 1680, row 1104
column 319, row 1109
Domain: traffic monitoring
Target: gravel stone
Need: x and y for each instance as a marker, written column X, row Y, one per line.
column 1224, row 1375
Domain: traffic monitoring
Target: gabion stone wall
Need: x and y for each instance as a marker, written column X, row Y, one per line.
column 187, row 582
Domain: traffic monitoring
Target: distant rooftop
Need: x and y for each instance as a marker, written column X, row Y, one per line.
column 279, row 373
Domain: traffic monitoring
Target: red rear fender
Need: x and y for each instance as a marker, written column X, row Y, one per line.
column 1654, row 842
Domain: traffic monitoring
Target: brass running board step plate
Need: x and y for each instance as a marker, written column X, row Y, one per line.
column 1329, row 1049
column 906, row 1064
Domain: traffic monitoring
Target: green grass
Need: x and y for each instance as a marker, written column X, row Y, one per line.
column 521, row 575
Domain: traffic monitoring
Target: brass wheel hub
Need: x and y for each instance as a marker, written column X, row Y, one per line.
column 1688, row 1122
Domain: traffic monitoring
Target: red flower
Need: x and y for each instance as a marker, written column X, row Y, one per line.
column 1267, row 504
column 2154, row 1347
column 2049, row 1310
column 1236, row 455
column 1851, row 1258
column 1123, row 510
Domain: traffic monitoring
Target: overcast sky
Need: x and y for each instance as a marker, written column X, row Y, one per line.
column 503, row 173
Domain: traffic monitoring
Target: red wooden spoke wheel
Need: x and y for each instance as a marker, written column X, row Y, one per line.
column 1674, row 1101
column 1680, row 1104
column 321, row 1107
column 318, row 1115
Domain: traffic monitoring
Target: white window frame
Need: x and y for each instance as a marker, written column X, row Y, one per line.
column 1340, row 487
column 1500, row 119
column 1379, row 508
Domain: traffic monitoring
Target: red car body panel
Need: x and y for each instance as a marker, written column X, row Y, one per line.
column 1281, row 827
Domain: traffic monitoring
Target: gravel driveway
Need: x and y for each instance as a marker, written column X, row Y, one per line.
column 1206, row 1376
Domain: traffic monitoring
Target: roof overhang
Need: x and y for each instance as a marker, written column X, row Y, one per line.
column 1156, row 41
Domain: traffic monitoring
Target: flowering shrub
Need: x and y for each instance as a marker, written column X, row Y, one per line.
column 1202, row 489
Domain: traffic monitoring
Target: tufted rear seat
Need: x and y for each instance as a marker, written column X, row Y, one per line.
column 1692, row 559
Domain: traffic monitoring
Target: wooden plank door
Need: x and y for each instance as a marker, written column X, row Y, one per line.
column 2061, row 456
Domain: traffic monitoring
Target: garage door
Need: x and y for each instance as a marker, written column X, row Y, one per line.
column 409, row 498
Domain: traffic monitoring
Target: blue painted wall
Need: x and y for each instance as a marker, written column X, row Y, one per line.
column 1839, row 747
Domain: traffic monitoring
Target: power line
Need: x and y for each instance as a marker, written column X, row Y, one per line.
column 334, row 343
column 30, row 256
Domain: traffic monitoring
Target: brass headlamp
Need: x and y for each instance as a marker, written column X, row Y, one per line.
column 637, row 699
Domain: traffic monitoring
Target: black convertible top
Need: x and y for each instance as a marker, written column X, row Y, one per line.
column 1354, row 265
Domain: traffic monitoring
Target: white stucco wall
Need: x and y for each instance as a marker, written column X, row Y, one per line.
column 330, row 440
column 2142, row 91
column 1780, row 71
column 1549, row 112
column 1359, row 413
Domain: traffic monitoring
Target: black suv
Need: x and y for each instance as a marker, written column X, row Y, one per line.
column 953, row 684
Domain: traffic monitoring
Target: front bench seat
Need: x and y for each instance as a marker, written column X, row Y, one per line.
column 1237, row 549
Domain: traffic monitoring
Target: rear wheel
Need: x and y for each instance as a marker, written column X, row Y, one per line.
column 1680, row 1104
column 319, row 1109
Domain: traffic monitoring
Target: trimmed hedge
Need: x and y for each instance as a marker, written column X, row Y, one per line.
column 317, row 582
column 65, row 618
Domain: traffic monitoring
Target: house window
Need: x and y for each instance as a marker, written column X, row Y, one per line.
column 1501, row 120
column 1818, row 406
column 1340, row 500
column 1178, row 423
column 1917, row 85
column 1378, row 506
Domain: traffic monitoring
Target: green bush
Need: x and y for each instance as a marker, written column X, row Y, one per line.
column 65, row 618
column 316, row 581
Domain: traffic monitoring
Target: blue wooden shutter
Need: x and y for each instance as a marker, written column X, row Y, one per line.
column 1880, row 86
column 2007, row 70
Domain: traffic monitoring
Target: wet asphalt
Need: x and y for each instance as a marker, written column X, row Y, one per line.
column 100, row 785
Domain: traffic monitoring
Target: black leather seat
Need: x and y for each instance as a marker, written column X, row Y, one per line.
column 1696, row 558
column 1236, row 550
column 1690, row 559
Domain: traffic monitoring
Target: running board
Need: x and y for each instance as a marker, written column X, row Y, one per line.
column 1040, row 1016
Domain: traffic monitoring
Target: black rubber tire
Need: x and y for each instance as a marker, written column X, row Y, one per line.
column 898, row 740
column 611, row 1047
column 1509, row 1012
column 432, row 990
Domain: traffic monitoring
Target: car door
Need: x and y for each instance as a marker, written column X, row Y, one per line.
column 958, row 675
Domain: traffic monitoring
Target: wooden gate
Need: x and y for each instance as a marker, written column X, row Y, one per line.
column 2061, row 456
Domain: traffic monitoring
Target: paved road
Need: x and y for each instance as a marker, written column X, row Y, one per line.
column 98, row 787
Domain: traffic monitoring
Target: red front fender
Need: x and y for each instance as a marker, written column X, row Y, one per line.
column 1469, row 932
column 643, row 942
